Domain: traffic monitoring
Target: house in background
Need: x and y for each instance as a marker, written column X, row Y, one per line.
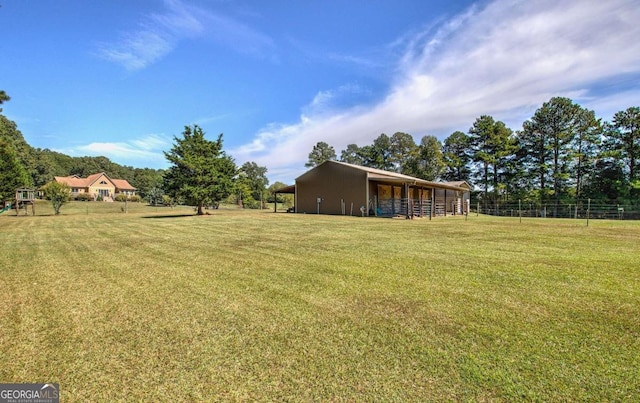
column 97, row 186
column 335, row 187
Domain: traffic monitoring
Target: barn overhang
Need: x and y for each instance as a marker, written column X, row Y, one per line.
column 284, row 190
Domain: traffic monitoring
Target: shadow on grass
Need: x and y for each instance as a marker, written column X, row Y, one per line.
column 170, row 216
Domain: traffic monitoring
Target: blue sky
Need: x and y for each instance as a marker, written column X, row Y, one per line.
column 120, row 78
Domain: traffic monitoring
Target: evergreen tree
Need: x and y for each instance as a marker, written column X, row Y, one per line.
column 585, row 149
column 456, row 152
column 623, row 141
column 321, row 152
column 428, row 163
column 353, row 155
column 549, row 138
column 493, row 146
column 378, row 155
column 402, row 148
column 12, row 173
column 201, row 172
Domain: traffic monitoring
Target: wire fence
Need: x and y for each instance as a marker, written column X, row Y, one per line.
column 579, row 209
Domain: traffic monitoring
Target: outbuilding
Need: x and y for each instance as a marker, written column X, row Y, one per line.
column 335, row 187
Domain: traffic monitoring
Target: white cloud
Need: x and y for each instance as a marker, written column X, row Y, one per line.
column 327, row 101
column 146, row 151
column 606, row 106
column 504, row 59
column 158, row 34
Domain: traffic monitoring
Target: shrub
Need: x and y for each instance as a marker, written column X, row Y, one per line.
column 58, row 193
column 168, row 201
column 250, row 202
column 121, row 197
column 84, row 197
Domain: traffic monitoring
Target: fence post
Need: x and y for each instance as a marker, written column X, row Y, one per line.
column 520, row 210
column 588, row 210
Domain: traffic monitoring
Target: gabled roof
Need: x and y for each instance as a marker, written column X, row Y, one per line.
column 91, row 179
column 462, row 184
column 379, row 174
column 75, row 181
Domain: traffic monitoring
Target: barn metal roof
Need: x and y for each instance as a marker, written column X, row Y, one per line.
column 382, row 175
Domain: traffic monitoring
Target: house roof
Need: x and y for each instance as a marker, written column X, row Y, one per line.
column 77, row 182
column 73, row 181
column 122, row 184
column 91, row 179
column 379, row 174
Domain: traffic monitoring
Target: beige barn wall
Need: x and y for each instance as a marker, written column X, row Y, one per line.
column 332, row 183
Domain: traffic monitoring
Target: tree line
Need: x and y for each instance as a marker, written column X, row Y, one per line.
column 25, row 166
column 562, row 153
column 192, row 158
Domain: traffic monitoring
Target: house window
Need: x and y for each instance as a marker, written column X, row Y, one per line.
column 74, row 190
column 103, row 182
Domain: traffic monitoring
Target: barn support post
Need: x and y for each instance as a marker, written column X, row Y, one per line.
column 393, row 200
column 445, row 202
column 367, row 200
column 406, row 194
column 375, row 205
column 433, row 202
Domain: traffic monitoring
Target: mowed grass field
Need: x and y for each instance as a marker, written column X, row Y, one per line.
column 160, row 305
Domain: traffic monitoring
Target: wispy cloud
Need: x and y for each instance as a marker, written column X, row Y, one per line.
column 238, row 36
column 328, row 101
column 503, row 59
column 208, row 119
column 158, row 34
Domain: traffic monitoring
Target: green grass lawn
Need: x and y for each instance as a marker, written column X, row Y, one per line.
column 248, row 305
